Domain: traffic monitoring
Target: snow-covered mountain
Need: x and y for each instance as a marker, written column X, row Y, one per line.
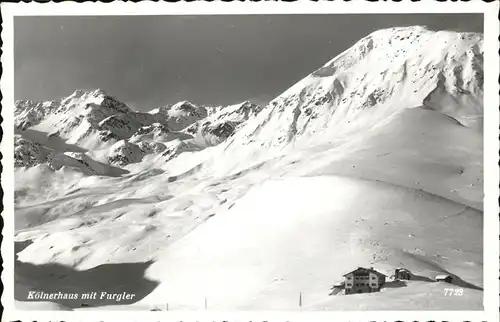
column 86, row 118
column 28, row 113
column 180, row 115
column 158, row 132
column 383, row 73
column 99, row 123
column 375, row 159
column 183, row 114
column 223, row 123
column 94, row 119
column 28, row 153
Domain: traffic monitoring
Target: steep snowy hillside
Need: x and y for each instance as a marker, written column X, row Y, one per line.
column 375, row 159
column 385, row 72
column 222, row 124
column 300, row 235
column 157, row 132
column 28, row 113
column 28, row 153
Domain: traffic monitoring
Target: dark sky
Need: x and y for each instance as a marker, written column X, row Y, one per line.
column 148, row 61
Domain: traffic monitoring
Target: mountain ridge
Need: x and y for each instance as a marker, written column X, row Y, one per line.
column 97, row 121
column 441, row 70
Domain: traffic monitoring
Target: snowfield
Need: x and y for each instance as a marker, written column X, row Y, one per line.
column 373, row 160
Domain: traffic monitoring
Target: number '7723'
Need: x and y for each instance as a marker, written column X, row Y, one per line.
column 453, row 291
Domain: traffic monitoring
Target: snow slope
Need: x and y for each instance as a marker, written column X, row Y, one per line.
column 302, row 234
column 219, row 126
column 28, row 113
column 384, row 72
column 375, row 159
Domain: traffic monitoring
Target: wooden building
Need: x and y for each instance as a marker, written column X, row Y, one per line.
column 444, row 278
column 363, row 280
column 402, row 274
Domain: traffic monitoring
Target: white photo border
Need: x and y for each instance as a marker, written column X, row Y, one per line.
column 491, row 151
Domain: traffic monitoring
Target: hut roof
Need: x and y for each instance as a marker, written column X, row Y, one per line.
column 442, row 277
column 365, row 270
column 402, row 269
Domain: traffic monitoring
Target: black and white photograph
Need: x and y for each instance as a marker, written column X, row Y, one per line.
column 249, row 162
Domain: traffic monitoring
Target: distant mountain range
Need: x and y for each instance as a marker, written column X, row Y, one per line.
column 95, row 121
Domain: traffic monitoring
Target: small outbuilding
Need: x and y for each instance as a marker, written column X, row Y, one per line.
column 337, row 288
column 444, row 278
column 339, row 285
column 402, row 274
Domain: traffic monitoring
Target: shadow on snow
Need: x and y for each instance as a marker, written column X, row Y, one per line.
column 55, row 278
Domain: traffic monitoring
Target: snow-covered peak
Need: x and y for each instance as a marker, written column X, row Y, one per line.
column 94, row 99
column 223, row 123
column 401, row 42
column 381, row 74
column 28, row 113
column 92, row 92
column 87, row 118
column 184, row 106
column 124, row 152
column 187, row 109
column 243, row 111
column 182, row 114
